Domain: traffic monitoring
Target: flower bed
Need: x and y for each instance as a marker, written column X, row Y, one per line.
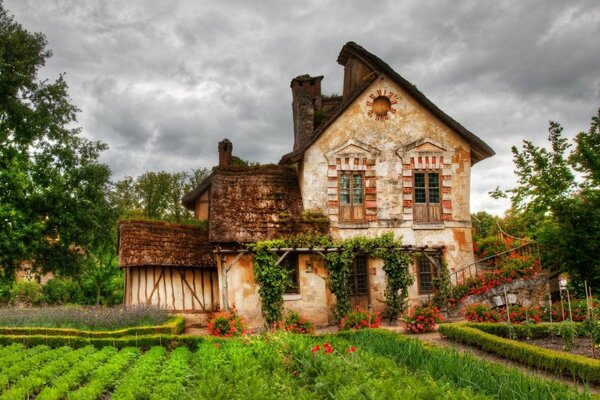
column 360, row 319
column 422, row 319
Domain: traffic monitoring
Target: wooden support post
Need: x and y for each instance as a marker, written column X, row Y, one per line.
column 224, row 282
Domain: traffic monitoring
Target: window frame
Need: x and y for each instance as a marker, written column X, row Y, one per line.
column 292, row 266
column 429, row 218
column 352, row 206
column 355, row 286
column 432, row 273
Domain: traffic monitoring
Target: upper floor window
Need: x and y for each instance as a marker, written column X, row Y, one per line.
column 290, row 263
column 427, row 206
column 351, row 196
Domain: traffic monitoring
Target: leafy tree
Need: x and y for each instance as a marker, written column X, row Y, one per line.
column 101, row 278
column 157, row 195
column 52, row 189
column 557, row 210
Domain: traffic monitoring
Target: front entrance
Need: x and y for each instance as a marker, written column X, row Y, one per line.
column 359, row 283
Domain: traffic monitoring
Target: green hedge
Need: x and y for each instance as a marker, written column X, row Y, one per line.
column 580, row 368
column 522, row 331
column 169, row 341
column 173, row 326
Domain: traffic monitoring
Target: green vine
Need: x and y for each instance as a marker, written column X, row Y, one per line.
column 272, row 278
column 442, row 288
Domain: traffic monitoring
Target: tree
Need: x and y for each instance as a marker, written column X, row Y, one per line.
column 53, row 206
column 561, row 213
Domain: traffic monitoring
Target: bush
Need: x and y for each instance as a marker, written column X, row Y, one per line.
column 360, row 319
column 60, row 291
column 226, row 324
column 296, row 324
column 423, row 319
column 578, row 310
column 26, row 293
column 481, row 313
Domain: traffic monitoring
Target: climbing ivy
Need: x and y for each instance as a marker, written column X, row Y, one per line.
column 442, row 288
column 272, row 278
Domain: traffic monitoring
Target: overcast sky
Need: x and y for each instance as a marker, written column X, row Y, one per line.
column 162, row 82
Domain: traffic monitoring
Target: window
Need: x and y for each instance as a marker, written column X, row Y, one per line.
column 426, row 271
column 290, row 263
column 427, row 206
column 358, row 281
column 351, row 196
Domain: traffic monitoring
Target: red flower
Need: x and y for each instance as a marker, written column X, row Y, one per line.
column 316, row 349
column 351, row 349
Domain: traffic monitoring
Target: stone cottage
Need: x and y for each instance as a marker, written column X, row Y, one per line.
column 379, row 158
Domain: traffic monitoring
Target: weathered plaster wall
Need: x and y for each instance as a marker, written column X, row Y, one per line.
column 388, row 151
column 313, row 302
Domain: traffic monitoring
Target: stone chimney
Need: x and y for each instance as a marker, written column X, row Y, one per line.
column 307, row 101
column 225, row 149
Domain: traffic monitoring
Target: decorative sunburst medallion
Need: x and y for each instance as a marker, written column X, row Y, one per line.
column 381, row 104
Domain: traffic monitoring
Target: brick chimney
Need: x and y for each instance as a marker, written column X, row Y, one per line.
column 225, row 149
column 307, row 101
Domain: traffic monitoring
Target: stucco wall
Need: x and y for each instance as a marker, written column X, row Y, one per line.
column 313, row 302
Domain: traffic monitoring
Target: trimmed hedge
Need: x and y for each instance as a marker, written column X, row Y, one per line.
column 580, row 368
column 173, row 326
column 145, row 341
column 522, row 331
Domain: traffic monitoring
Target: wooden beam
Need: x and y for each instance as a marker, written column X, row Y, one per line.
column 282, row 257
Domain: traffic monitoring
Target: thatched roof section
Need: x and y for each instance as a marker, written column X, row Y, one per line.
column 152, row 243
column 253, row 204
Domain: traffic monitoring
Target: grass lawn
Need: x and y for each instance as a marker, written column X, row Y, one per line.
column 368, row 364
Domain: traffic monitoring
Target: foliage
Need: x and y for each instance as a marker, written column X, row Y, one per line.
column 101, row 279
column 515, row 267
column 226, row 324
column 519, row 314
column 272, row 278
column 53, row 205
column 580, row 368
column 481, row 313
column 353, row 364
column 579, row 310
column 59, row 291
column 442, row 287
column 157, row 195
column 560, row 212
column 360, row 319
column 26, row 293
column 296, row 324
column 423, row 319
column 93, row 318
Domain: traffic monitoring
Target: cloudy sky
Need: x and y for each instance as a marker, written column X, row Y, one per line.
column 162, row 82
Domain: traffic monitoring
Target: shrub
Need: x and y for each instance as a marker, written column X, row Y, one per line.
column 481, row 313
column 296, row 324
column 226, row 324
column 423, row 319
column 360, row 319
column 59, row 291
column 578, row 310
column 27, row 293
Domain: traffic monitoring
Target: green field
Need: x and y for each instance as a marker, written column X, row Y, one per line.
column 367, row 364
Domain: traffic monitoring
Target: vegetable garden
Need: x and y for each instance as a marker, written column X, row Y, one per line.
column 356, row 364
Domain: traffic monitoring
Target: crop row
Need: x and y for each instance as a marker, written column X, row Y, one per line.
column 367, row 364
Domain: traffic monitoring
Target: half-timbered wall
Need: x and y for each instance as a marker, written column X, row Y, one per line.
column 179, row 289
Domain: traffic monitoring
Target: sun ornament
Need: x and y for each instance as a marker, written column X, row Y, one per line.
column 381, row 105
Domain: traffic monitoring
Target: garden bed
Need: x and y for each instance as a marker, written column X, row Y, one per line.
column 582, row 346
column 361, row 364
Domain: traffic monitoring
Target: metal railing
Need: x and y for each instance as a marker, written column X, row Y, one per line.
column 492, row 262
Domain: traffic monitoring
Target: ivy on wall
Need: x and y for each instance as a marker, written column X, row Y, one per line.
column 272, row 278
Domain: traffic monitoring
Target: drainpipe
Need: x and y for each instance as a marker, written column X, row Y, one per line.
column 224, row 280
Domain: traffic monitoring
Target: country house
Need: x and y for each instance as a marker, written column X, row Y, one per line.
column 379, row 158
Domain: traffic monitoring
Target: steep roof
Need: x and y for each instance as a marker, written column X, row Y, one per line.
column 479, row 149
column 255, row 203
column 158, row 243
